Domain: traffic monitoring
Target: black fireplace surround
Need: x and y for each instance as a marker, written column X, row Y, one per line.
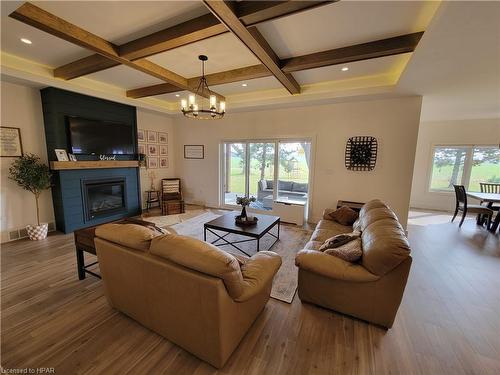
column 104, row 197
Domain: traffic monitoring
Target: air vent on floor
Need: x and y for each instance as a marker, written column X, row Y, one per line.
column 13, row 235
column 23, row 233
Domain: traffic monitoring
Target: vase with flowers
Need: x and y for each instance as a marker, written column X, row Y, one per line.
column 243, row 218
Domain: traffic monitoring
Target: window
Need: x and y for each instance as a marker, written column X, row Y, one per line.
column 464, row 165
column 267, row 170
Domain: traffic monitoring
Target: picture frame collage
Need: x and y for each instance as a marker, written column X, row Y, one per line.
column 154, row 145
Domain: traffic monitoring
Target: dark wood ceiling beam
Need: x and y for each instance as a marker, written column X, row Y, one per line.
column 359, row 52
column 379, row 48
column 254, row 41
column 160, row 89
column 252, row 13
column 200, row 28
column 45, row 21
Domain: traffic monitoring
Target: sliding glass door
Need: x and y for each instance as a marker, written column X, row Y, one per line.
column 270, row 170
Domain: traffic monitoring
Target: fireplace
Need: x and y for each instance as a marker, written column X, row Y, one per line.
column 104, row 197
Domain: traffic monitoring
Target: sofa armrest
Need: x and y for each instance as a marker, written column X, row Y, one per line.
column 257, row 272
column 332, row 267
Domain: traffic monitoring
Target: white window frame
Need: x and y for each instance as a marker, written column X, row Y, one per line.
column 467, row 165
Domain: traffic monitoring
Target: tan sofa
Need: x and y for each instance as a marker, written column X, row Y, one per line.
column 371, row 289
column 192, row 293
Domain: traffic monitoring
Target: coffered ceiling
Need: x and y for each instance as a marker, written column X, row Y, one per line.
column 321, row 28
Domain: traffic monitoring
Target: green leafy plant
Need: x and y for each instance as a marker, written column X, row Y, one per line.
column 244, row 201
column 30, row 173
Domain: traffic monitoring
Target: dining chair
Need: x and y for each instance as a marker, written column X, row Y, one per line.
column 489, row 187
column 462, row 205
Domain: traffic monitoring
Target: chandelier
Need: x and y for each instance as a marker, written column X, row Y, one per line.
column 198, row 106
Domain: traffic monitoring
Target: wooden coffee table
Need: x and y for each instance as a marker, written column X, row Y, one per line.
column 226, row 223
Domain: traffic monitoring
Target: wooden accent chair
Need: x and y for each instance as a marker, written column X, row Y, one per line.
column 171, row 196
column 461, row 205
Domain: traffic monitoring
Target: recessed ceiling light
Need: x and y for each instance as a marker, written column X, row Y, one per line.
column 177, row 95
column 345, row 69
column 244, row 85
column 26, row 41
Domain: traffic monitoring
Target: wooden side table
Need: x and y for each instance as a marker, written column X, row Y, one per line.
column 84, row 243
column 153, row 199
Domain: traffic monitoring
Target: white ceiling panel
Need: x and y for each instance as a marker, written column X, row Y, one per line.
column 345, row 23
column 382, row 65
column 225, row 52
column 257, row 84
column 125, row 77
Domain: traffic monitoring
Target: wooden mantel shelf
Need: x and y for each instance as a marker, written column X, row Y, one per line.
column 98, row 164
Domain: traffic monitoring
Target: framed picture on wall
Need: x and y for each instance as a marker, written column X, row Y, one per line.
column 152, row 163
column 163, row 150
column 141, row 137
column 61, row 154
column 153, row 150
column 152, row 136
column 10, row 142
column 163, row 162
column 162, row 138
column 141, row 149
column 194, row 151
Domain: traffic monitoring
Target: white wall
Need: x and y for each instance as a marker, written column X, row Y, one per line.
column 21, row 107
column 463, row 132
column 393, row 121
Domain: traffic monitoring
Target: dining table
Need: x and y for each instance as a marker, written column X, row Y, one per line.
column 490, row 198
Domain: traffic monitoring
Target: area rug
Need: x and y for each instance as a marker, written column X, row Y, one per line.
column 292, row 239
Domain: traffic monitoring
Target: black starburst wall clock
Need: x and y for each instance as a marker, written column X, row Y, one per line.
column 361, row 153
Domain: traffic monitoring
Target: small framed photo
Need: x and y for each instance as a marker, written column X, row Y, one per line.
column 163, row 162
column 163, row 150
column 162, row 137
column 153, row 150
column 61, row 154
column 152, row 136
column 194, row 151
column 72, row 157
column 10, row 142
column 141, row 149
column 141, row 137
column 152, row 163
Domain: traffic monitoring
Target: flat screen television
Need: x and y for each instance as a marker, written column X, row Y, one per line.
column 88, row 137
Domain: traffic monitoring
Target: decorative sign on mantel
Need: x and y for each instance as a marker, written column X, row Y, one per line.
column 10, row 142
column 194, row 151
column 107, row 157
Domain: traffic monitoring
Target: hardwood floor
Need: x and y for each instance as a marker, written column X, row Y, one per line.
column 449, row 320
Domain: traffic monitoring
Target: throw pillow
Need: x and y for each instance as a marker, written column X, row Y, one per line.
column 338, row 240
column 350, row 252
column 344, row 215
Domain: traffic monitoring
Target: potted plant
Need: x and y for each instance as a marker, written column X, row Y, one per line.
column 31, row 174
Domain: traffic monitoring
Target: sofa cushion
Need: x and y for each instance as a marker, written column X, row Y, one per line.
column 334, row 227
column 344, row 215
column 285, row 185
column 374, row 215
column 262, row 185
column 130, row 235
column 201, row 256
column 270, row 184
column 385, row 246
column 299, row 187
column 350, row 251
column 375, row 203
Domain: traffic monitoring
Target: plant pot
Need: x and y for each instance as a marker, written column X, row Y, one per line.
column 37, row 232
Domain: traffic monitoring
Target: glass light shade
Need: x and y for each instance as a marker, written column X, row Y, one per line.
column 222, row 107
column 191, row 99
column 183, row 104
column 213, row 100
